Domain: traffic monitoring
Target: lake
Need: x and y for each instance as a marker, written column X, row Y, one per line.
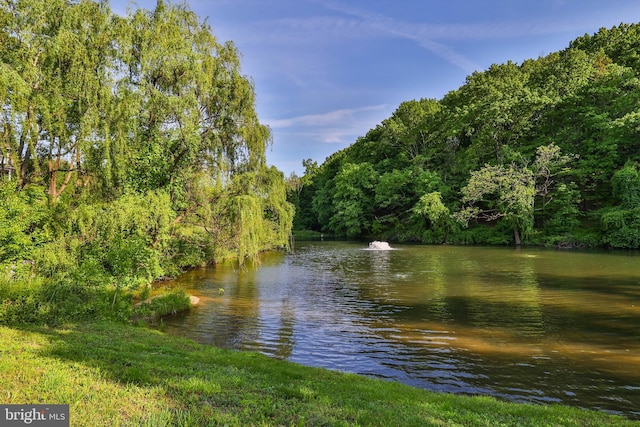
column 525, row 325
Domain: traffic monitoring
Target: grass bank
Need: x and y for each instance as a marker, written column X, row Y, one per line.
column 117, row 375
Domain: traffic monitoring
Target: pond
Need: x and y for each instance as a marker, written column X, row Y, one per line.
column 525, row 325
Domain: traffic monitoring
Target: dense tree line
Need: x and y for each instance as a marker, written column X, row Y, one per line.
column 543, row 152
column 130, row 149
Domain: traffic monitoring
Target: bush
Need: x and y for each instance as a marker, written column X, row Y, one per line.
column 500, row 234
column 621, row 228
column 22, row 218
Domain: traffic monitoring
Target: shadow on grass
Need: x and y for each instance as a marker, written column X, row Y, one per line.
column 210, row 386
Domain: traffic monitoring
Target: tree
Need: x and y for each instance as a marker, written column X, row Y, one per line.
column 190, row 108
column 595, row 121
column 353, row 199
column 489, row 141
column 431, row 207
column 508, row 192
column 56, row 60
column 300, row 192
column 621, row 223
column 619, row 43
column 396, row 194
column 106, row 107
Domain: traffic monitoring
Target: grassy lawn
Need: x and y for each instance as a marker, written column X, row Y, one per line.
column 117, row 375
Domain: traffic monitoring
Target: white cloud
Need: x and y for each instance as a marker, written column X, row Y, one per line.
column 338, row 126
column 454, row 31
column 361, row 24
column 323, row 119
column 369, row 25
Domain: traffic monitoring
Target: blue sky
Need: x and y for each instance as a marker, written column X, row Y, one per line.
column 327, row 71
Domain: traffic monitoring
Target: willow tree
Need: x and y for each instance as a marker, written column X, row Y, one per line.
column 186, row 106
column 146, row 103
column 55, row 63
column 192, row 123
column 242, row 217
column 620, row 223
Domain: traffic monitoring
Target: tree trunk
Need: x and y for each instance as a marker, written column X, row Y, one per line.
column 516, row 235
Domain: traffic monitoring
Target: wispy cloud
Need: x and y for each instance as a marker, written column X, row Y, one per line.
column 417, row 33
column 356, row 23
column 323, row 119
column 336, row 126
column 368, row 24
column 458, row 31
column 445, row 52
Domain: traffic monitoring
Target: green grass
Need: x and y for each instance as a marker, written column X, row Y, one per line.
column 118, row 375
column 153, row 309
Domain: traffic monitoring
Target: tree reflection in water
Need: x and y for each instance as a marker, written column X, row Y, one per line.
column 520, row 324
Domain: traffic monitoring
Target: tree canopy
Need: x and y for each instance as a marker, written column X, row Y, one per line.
column 130, row 146
column 521, row 153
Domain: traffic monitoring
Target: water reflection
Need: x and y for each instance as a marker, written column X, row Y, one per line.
column 524, row 325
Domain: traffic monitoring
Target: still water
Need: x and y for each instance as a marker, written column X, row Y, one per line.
column 526, row 325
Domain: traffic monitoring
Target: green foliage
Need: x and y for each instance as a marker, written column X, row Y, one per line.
column 626, row 185
column 618, row 43
column 535, row 147
column 137, row 152
column 155, row 308
column 509, row 193
column 621, row 223
column 352, row 199
column 434, row 210
column 22, row 218
column 622, row 228
column 120, row 243
column 501, row 233
column 249, row 216
column 563, row 216
column 506, row 192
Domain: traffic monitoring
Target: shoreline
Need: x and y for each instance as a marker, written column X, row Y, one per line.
column 111, row 373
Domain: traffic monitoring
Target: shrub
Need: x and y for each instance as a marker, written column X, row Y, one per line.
column 22, row 217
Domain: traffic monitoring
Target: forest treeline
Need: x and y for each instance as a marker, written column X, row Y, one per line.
column 545, row 152
column 130, row 150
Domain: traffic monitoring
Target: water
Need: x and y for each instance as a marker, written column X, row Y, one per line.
column 526, row 325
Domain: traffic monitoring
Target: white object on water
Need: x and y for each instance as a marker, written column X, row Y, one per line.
column 379, row 246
